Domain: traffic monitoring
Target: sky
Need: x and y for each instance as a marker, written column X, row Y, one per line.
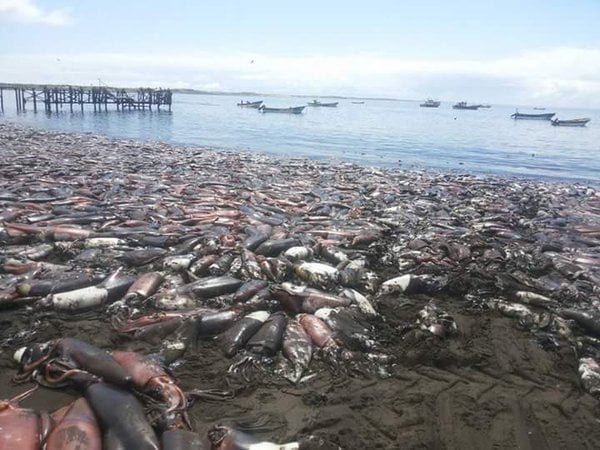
column 526, row 52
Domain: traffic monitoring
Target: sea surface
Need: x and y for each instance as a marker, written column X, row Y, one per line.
column 377, row 133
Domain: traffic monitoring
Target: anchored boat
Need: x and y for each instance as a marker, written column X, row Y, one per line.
column 291, row 110
column 464, row 105
column 250, row 104
column 327, row 105
column 429, row 103
column 570, row 123
column 543, row 116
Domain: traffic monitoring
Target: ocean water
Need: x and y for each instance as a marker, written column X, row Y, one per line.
column 377, row 133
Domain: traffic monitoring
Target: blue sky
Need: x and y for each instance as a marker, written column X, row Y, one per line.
column 515, row 52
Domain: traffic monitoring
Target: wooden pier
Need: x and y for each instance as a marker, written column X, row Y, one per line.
column 101, row 97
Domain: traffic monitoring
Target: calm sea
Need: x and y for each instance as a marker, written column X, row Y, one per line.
column 378, row 132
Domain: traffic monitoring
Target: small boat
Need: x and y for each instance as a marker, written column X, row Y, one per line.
column 542, row 116
column 463, row 105
column 485, row 106
column 290, row 110
column 570, row 123
column 539, row 109
column 250, row 104
column 358, row 103
column 429, row 103
column 327, row 105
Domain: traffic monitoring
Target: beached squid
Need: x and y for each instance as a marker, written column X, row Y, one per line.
column 262, row 345
column 20, row 427
column 106, row 380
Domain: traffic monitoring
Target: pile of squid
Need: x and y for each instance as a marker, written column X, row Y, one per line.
column 128, row 401
column 278, row 258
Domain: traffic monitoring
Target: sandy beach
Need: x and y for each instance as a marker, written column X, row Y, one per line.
column 473, row 247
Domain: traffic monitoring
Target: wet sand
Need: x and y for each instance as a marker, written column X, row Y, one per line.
column 494, row 385
column 491, row 387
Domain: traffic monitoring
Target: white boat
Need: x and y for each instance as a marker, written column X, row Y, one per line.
column 570, row 123
column 464, row 105
column 290, row 110
column 430, row 103
column 542, row 116
column 250, row 104
column 327, row 105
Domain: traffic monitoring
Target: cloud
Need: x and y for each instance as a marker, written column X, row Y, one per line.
column 27, row 12
column 561, row 76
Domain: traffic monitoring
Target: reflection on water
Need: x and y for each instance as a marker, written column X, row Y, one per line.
column 154, row 125
column 380, row 133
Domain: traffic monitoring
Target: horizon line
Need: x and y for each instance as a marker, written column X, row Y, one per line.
column 195, row 91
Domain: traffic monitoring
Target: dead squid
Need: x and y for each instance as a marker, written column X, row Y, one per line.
column 21, row 428
column 65, row 356
column 76, row 428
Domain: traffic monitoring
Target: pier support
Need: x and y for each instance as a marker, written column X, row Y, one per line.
column 97, row 96
column 18, row 100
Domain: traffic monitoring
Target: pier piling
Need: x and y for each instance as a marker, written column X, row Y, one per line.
column 97, row 96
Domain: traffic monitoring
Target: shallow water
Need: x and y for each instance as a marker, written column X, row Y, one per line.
column 378, row 132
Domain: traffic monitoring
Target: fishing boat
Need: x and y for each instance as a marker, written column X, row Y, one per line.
column 539, row 109
column 358, row 103
column 429, row 103
column 463, row 105
column 290, row 110
column 542, row 116
column 570, row 123
column 250, row 104
column 327, row 105
column 485, row 106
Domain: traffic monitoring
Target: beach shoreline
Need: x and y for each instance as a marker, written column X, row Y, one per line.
column 496, row 383
column 328, row 162
column 380, row 134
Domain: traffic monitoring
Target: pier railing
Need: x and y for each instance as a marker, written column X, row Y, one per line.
column 53, row 96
